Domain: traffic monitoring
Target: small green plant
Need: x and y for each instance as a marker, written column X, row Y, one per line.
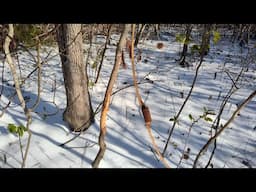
column 204, row 116
column 191, row 117
column 94, row 64
column 19, row 130
column 91, row 84
column 216, row 37
column 174, row 119
column 185, row 154
column 207, row 112
column 195, row 48
column 181, row 38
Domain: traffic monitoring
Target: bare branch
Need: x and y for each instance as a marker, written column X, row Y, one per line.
column 246, row 101
column 7, row 42
column 203, row 48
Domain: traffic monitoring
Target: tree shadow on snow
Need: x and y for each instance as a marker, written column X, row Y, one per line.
column 43, row 107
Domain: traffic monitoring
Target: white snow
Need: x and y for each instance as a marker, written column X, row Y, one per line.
column 128, row 142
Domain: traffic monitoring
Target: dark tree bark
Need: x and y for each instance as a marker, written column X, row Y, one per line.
column 78, row 113
column 103, row 53
column 139, row 34
column 185, row 46
column 205, row 44
column 156, row 30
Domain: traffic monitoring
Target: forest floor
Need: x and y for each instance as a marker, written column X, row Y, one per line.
column 163, row 85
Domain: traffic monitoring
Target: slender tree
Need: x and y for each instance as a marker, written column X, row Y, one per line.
column 106, row 102
column 185, row 46
column 103, row 52
column 139, row 34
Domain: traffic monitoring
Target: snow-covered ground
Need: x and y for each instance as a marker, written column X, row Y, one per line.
column 163, row 86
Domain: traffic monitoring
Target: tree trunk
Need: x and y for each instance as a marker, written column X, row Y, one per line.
column 205, row 44
column 156, row 30
column 185, row 46
column 139, row 34
column 103, row 53
column 78, row 113
column 106, row 102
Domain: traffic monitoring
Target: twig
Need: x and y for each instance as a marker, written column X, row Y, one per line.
column 90, row 47
column 231, row 79
column 8, row 39
column 204, row 46
column 246, row 101
column 44, row 36
column 103, row 53
column 213, row 151
column 27, row 147
column 186, row 141
column 39, row 77
column 183, row 105
column 21, row 150
column 62, row 145
column 133, row 70
column 2, row 80
column 216, row 122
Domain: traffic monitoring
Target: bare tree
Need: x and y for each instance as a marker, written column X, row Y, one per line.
column 185, row 46
column 78, row 113
column 103, row 52
column 106, row 102
column 139, row 34
column 205, row 44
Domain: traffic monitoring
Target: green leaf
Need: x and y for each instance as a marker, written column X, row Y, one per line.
column 94, row 65
column 181, row 38
column 23, row 128
column 195, row 48
column 91, row 84
column 12, row 128
column 175, row 145
column 187, row 41
column 190, row 117
column 208, row 119
column 20, row 132
column 216, row 37
column 210, row 113
column 172, row 119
